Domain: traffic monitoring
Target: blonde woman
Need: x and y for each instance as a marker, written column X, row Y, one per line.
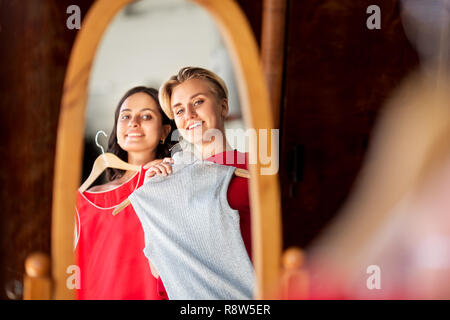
column 197, row 100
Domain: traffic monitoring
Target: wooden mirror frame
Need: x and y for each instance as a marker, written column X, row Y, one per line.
column 255, row 102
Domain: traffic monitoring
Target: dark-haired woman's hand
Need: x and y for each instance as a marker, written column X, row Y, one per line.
column 161, row 167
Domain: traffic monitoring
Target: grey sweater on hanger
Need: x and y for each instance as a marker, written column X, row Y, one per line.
column 192, row 236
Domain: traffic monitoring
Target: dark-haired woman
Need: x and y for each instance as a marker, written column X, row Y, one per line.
column 109, row 249
column 139, row 135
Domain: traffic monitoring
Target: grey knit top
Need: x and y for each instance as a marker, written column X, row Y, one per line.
column 192, row 236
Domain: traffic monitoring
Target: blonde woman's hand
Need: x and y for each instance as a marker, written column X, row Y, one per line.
column 161, row 167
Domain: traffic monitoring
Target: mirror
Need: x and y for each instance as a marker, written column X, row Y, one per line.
column 256, row 113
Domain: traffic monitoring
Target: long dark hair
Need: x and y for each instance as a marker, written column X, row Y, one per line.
column 162, row 151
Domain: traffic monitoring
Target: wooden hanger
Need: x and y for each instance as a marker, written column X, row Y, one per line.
column 104, row 161
column 238, row 172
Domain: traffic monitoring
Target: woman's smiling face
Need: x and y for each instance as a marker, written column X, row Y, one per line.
column 139, row 126
column 197, row 109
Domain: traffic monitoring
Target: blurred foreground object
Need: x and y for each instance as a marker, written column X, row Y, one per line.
column 391, row 239
column 294, row 277
column 427, row 25
column 397, row 220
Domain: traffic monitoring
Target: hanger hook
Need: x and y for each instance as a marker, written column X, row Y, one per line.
column 96, row 140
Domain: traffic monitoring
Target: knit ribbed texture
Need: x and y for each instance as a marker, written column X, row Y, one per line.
column 192, row 236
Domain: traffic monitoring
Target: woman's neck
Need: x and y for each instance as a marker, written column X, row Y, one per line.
column 141, row 158
column 137, row 158
column 207, row 150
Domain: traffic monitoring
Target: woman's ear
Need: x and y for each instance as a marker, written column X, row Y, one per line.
column 165, row 131
column 224, row 106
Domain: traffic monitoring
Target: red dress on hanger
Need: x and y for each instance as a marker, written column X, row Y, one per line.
column 109, row 249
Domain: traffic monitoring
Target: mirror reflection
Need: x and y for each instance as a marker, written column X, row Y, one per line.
column 187, row 233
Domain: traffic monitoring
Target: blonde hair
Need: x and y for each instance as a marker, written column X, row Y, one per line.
column 216, row 84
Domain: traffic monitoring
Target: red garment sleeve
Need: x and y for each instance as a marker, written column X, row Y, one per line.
column 238, row 199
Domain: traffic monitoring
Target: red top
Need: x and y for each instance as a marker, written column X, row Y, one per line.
column 238, row 198
column 109, row 249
